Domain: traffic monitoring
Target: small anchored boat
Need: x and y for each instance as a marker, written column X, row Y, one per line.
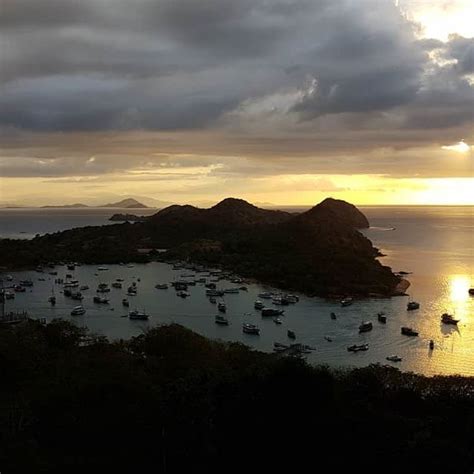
column 358, row 347
column 78, row 311
column 291, row 334
column 412, row 305
column 394, row 358
column 221, row 320
column 250, row 329
column 365, row 326
column 406, row 331
column 449, row 319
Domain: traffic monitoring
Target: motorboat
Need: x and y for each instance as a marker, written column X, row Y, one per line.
column 449, row 319
column 77, row 296
column 328, row 338
column 182, row 294
column 19, row 289
column 271, row 312
column 280, row 301
column 100, row 300
column 78, row 311
column 212, row 300
column 266, row 295
column 131, row 291
column 84, row 288
column 431, row 345
column 278, row 321
column 26, row 283
column 471, row 291
column 365, row 326
column 9, row 295
column 258, row 305
column 222, row 307
column 358, row 347
column 161, row 286
column 291, row 334
column 394, row 358
column 221, row 320
column 333, row 316
column 214, row 292
column 102, row 269
column 412, row 305
column 103, row 288
column 382, row 318
column 248, row 328
column 116, row 284
column 231, row 290
column 347, row 301
column 125, row 303
column 138, row 315
column 406, row 331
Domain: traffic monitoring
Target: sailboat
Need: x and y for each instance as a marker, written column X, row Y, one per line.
column 52, row 298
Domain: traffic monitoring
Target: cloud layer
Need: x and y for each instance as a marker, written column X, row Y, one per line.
column 237, row 86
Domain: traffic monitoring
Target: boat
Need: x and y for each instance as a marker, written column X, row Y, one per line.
column 231, row 290
column 71, row 266
column 292, row 298
column 222, row 307
column 471, row 291
column 412, row 305
column 358, row 347
column 125, row 303
column 78, row 311
column 131, row 291
column 161, row 286
column 431, row 346
column 100, row 300
column 382, row 318
column 67, row 292
column 102, row 269
column 333, row 316
column 365, row 326
column 138, row 315
column 9, row 295
column 84, row 287
column 77, row 296
column 406, row 331
column 213, row 292
column 182, row 294
column 394, row 358
column 278, row 321
column 211, row 286
column 346, row 301
column 250, row 329
column 291, row 334
column 328, row 338
column 280, row 300
column 258, row 305
column 9, row 278
column 212, row 300
column 26, row 283
column 449, row 319
column 271, row 312
column 265, row 295
column 219, row 319
column 116, row 284
column 103, row 288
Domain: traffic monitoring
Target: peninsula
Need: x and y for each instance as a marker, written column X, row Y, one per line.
column 319, row 252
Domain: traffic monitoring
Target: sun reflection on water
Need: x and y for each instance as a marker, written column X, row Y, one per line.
column 459, row 288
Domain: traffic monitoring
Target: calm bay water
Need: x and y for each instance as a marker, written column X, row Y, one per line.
column 435, row 243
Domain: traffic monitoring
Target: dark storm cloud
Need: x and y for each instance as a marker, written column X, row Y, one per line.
column 354, row 74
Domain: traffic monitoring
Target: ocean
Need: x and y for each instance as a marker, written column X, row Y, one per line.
column 434, row 243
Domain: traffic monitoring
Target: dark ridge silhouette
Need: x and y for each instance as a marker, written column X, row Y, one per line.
column 171, row 401
column 319, row 252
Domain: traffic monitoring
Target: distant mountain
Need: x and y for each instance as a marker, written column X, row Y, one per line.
column 128, row 203
column 66, row 206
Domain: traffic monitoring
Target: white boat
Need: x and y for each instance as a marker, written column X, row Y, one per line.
column 346, row 301
column 78, row 311
column 258, row 305
column 278, row 321
column 102, row 269
column 219, row 319
column 266, row 295
column 366, row 327
column 138, row 315
column 250, row 329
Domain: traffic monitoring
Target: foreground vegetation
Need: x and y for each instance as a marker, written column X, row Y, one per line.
column 170, row 400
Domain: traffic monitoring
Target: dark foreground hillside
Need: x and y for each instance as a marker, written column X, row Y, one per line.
column 173, row 401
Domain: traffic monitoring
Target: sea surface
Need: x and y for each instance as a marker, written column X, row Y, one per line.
column 434, row 244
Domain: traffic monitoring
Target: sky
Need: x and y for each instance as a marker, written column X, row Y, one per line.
column 279, row 102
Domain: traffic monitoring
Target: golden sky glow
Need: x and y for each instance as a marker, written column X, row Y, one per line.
column 369, row 101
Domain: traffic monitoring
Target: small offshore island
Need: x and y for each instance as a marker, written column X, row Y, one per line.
column 319, row 252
